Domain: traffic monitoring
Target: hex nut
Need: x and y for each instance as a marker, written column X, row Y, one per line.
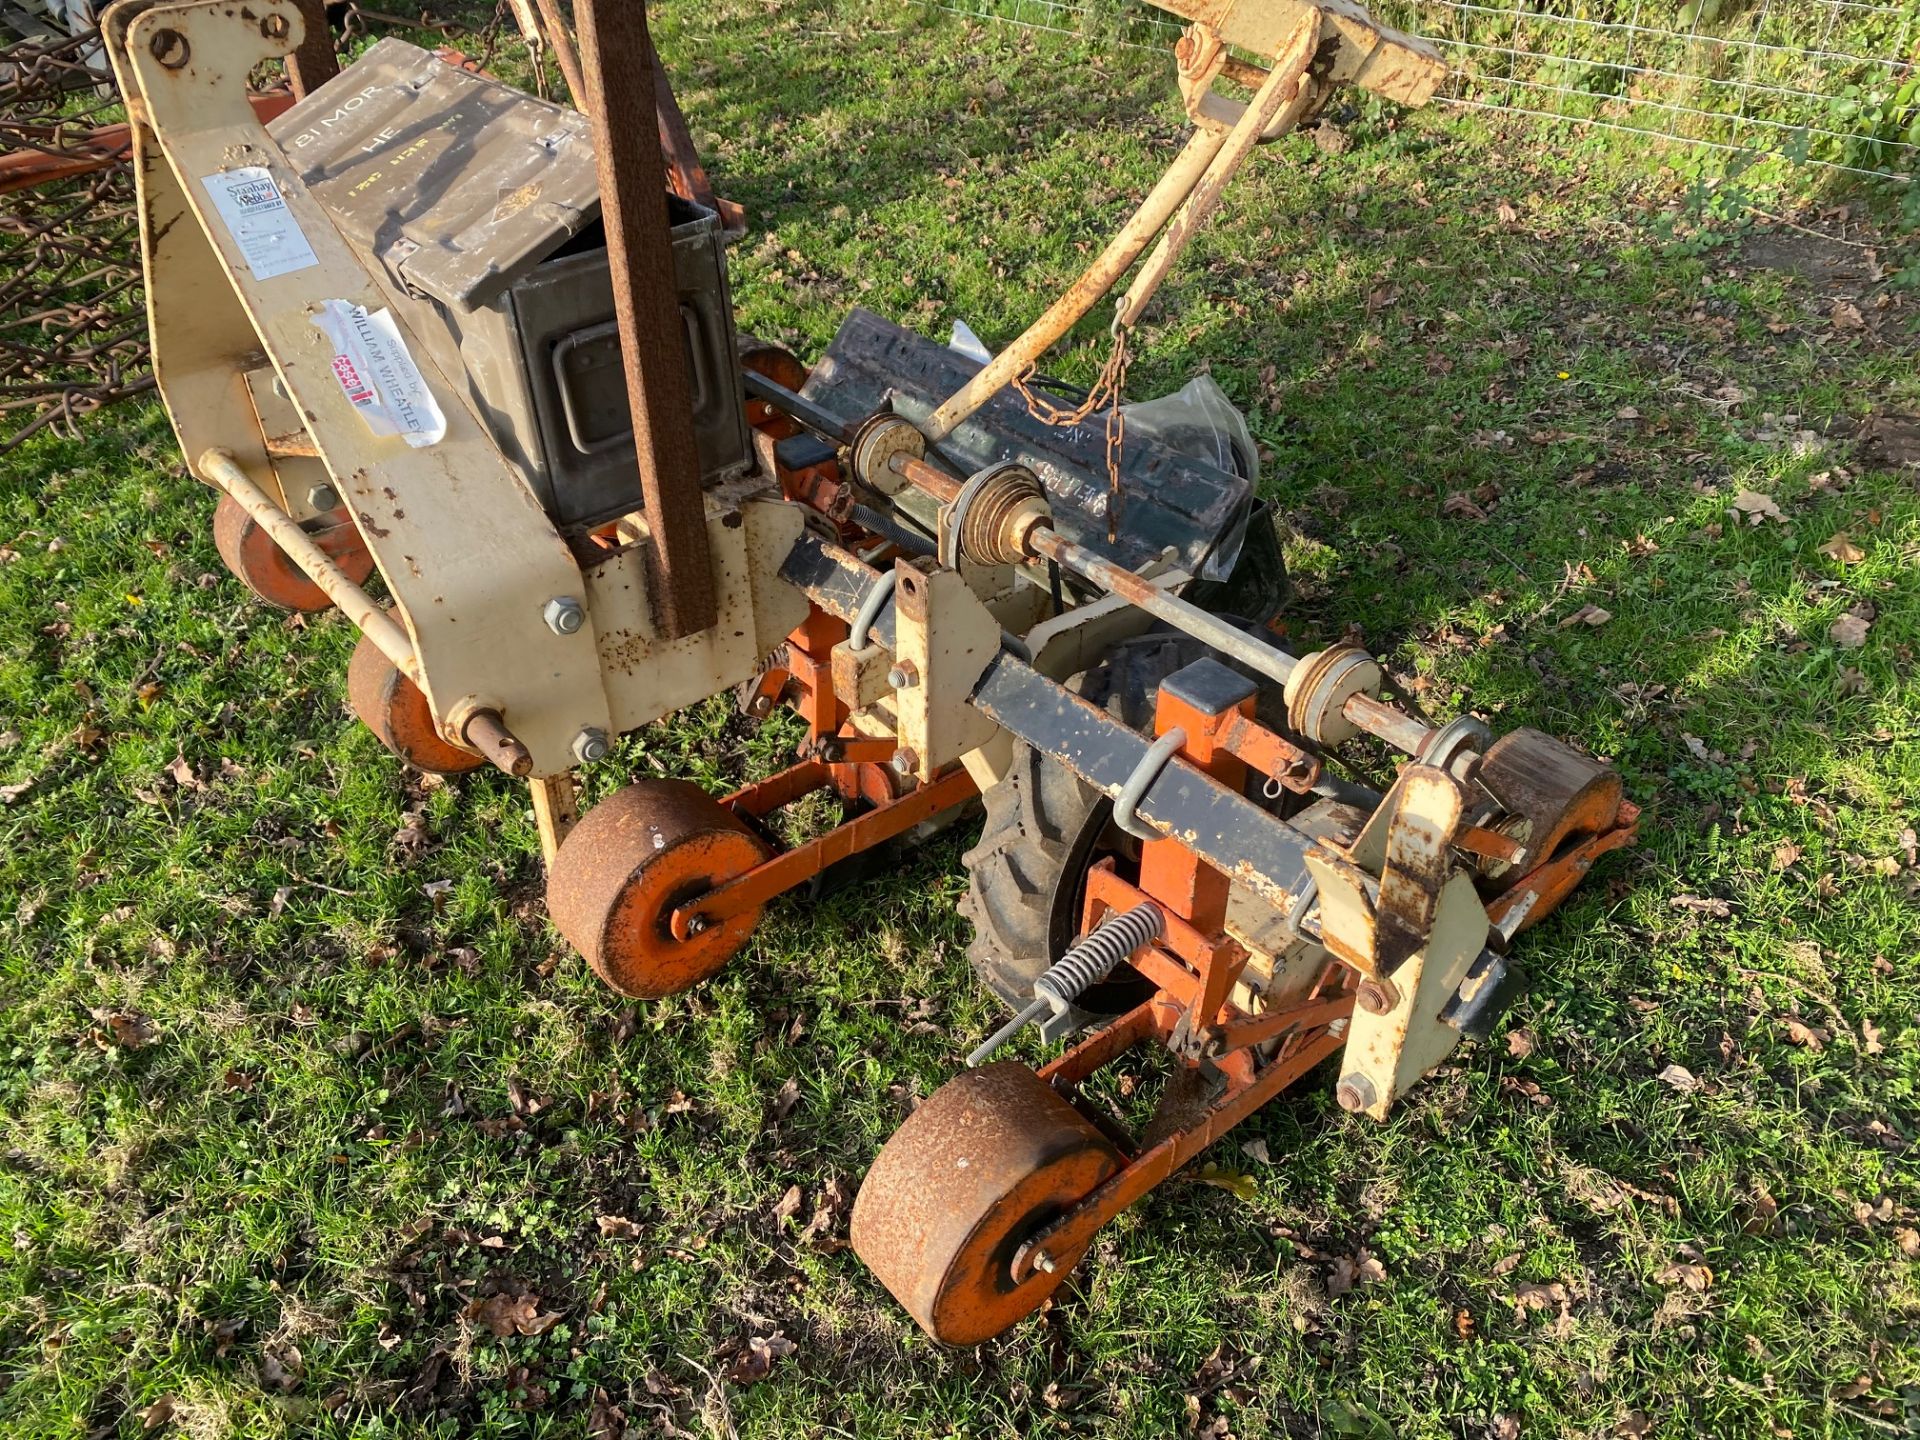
column 904, row 675
column 323, row 498
column 1355, row 1092
column 905, row 762
column 590, row 745
column 565, row 615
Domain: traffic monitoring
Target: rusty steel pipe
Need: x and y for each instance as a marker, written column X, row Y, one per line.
column 1397, row 728
column 486, row 732
column 1283, row 97
column 1049, row 544
column 616, row 63
column 219, row 468
column 1100, row 277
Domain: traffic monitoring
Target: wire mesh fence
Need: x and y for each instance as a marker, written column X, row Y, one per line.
column 73, row 324
column 1826, row 83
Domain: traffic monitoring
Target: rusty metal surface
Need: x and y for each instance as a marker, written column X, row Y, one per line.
column 264, row 568
column 630, row 860
column 315, row 61
column 989, row 1158
column 747, row 893
column 394, row 709
column 1248, row 843
column 616, row 59
column 1551, row 794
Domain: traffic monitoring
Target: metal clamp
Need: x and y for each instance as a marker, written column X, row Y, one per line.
column 870, row 609
column 1141, row 780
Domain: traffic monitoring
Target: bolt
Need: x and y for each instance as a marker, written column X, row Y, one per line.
column 323, row 498
column 274, row 27
column 590, row 744
column 904, row 676
column 565, row 615
column 1374, row 997
column 698, row 925
column 1356, row 1092
column 1044, row 1262
column 762, row 706
column 905, row 762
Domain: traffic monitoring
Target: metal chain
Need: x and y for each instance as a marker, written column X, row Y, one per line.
column 1109, row 393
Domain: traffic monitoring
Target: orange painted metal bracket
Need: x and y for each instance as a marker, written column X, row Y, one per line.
column 1537, row 895
column 800, row 864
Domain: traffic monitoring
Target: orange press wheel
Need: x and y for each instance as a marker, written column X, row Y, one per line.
column 395, row 710
column 635, row 858
column 1552, row 794
column 989, row 1159
column 259, row 563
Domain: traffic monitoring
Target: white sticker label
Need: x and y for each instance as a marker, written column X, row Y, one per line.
column 257, row 217
column 377, row 375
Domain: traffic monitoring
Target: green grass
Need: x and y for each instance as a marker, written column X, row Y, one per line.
column 365, row 1103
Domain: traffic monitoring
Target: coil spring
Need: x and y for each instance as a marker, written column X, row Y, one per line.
column 1094, row 958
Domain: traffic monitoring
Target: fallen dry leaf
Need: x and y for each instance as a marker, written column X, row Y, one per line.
column 617, row 1227
column 1256, row 1150
column 1244, row 1186
column 1519, row 1044
column 157, row 1414
column 788, row 1097
column 1870, row 1038
column 128, row 1029
column 1757, row 507
column 1849, row 632
column 1842, row 548
column 1680, row 1078
column 1587, row 615
column 1634, row 1425
column 1348, row 1271
column 755, row 1359
column 1504, row 1427
column 281, row 1370
column 1694, row 1277
column 1846, row 315
column 508, row 1315
column 1909, row 1242
column 1801, row 1033
column 1786, row 854
column 1507, row 1264
column 789, row 1205
column 1703, row 905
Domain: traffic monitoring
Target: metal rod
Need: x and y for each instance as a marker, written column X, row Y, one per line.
column 1283, row 97
column 616, row 64
column 221, row 469
column 561, row 44
column 1376, row 717
column 1080, row 297
column 486, row 732
column 794, row 406
column 1007, row 1031
column 1274, row 663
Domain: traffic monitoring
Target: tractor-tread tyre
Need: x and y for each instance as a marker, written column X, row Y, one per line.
column 1043, row 826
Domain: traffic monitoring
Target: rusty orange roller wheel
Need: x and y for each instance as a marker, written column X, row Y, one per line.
column 989, row 1159
column 1552, row 794
column 393, row 708
column 631, row 861
column 263, row 567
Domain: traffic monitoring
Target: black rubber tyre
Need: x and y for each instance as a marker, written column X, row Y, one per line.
column 1045, row 828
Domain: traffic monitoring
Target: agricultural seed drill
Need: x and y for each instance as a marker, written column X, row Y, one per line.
column 425, row 325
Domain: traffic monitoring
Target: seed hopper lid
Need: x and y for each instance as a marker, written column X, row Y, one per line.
column 458, row 184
